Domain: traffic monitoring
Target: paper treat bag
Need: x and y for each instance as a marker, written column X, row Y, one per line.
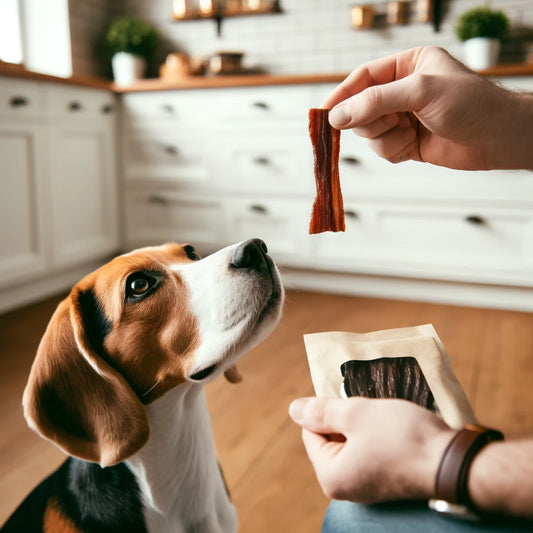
column 326, row 353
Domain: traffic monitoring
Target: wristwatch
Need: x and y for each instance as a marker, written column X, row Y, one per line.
column 452, row 497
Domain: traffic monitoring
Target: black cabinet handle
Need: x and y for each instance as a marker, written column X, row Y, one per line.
column 351, row 214
column 259, row 209
column 19, row 101
column 261, row 105
column 350, row 160
column 75, row 106
column 107, row 109
column 170, row 149
column 476, row 220
column 157, row 200
column 261, row 160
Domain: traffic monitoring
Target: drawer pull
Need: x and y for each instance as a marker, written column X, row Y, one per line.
column 168, row 108
column 155, row 199
column 261, row 160
column 18, row 101
column 170, row 150
column 260, row 105
column 476, row 220
column 107, row 109
column 351, row 214
column 350, row 160
column 259, row 209
column 75, row 106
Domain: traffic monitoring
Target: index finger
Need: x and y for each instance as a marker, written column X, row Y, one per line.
column 377, row 72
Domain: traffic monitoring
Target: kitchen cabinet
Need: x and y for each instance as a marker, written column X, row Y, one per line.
column 82, row 174
column 22, row 218
column 58, row 209
column 215, row 166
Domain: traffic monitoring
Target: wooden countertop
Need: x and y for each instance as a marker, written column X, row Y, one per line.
column 17, row 71
column 244, row 80
column 210, row 82
column 250, row 80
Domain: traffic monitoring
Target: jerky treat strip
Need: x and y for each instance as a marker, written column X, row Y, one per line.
column 388, row 377
column 328, row 208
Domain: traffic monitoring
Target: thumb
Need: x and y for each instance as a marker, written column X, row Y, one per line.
column 375, row 102
column 320, row 415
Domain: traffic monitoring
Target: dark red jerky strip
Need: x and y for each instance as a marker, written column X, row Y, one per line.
column 328, row 208
column 388, row 377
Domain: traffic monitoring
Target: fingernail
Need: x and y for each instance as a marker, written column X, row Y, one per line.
column 339, row 116
column 296, row 410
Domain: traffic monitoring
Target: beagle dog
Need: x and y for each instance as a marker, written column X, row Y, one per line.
column 118, row 384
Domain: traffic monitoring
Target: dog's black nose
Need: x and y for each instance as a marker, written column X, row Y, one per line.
column 250, row 254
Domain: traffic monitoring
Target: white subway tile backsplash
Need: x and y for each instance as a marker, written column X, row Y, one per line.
column 310, row 36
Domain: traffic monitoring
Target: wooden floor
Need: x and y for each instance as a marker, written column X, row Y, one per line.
column 271, row 481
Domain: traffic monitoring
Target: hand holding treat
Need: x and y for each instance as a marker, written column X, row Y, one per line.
column 389, row 449
column 424, row 105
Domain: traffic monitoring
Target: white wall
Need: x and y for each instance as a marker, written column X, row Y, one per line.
column 314, row 35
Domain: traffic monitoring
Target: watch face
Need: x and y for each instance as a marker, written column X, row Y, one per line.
column 453, row 510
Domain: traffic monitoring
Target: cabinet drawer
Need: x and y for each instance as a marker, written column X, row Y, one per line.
column 478, row 242
column 68, row 102
column 281, row 223
column 166, row 156
column 263, row 104
column 155, row 217
column 21, row 99
column 279, row 163
column 147, row 110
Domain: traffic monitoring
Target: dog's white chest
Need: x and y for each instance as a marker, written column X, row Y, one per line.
column 177, row 470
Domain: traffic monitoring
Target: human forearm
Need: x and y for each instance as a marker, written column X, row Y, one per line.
column 509, row 140
column 501, row 478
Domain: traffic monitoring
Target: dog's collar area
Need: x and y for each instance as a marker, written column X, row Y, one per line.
column 202, row 374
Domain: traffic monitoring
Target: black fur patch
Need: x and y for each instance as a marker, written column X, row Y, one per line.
column 96, row 324
column 95, row 499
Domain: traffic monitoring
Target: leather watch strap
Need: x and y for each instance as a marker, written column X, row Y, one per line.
column 451, row 483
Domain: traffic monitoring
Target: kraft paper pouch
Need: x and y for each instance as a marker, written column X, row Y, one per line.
column 327, row 352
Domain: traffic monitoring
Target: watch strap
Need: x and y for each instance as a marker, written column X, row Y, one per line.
column 451, row 483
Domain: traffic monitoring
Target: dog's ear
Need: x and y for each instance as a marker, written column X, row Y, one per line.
column 73, row 397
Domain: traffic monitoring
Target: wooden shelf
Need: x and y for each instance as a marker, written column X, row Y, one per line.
column 273, row 10
column 219, row 12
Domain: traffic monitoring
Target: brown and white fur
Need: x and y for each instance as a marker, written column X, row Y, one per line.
column 118, row 381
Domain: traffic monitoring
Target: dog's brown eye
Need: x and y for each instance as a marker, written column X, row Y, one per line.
column 141, row 284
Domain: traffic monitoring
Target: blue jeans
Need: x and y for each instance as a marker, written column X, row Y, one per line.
column 401, row 517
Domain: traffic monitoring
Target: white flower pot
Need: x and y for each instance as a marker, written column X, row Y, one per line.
column 127, row 68
column 481, row 52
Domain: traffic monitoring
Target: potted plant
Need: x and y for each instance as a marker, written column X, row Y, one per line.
column 131, row 42
column 481, row 30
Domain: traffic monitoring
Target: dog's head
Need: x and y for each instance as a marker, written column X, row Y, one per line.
column 140, row 325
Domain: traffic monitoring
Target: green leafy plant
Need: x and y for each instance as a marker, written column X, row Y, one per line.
column 482, row 22
column 132, row 35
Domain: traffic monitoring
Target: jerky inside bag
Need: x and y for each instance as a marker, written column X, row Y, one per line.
column 410, row 363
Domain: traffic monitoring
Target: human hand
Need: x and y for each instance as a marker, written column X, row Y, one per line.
column 424, row 105
column 372, row 450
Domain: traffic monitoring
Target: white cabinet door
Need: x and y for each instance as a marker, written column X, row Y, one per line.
column 22, row 246
column 83, row 193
